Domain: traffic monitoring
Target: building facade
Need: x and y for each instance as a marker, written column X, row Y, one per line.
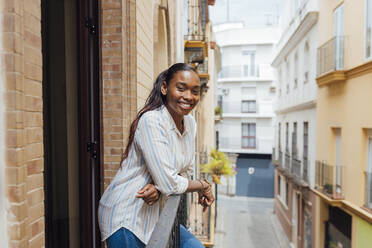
column 245, row 94
column 344, row 124
column 295, row 128
column 74, row 74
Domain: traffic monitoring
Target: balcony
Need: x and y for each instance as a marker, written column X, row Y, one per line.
column 331, row 61
column 197, row 17
column 250, row 145
column 237, row 107
column 305, row 175
column 287, row 162
column 296, row 168
column 329, row 180
column 368, row 190
column 280, row 159
column 238, row 71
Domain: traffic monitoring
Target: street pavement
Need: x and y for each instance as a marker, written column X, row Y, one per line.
column 248, row 223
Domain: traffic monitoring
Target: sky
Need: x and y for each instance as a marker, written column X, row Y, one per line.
column 253, row 13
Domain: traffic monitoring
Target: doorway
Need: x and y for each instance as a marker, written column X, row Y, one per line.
column 71, row 122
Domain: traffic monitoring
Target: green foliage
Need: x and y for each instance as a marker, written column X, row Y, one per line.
column 218, row 111
column 217, row 166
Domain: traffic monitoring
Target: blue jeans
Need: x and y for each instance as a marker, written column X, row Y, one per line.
column 124, row 238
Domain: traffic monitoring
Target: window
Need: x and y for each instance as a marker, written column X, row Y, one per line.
column 306, row 141
column 249, row 106
column 248, row 63
column 279, row 137
column 219, row 101
column 294, row 140
column 306, row 62
column 249, row 135
column 286, row 136
column 295, row 84
column 286, row 193
column 368, row 30
column 283, row 190
column 339, row 37
column 369, row 171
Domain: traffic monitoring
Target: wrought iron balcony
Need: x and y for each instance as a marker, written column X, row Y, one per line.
column 287, row 162
column 368, row 190
column 329, row 179
column 331, row 56
column 296, row 168
column 305, row 176
column 280, row 159
column 197, row 17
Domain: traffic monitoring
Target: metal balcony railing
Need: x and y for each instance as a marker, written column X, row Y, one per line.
column 329, row 179
column 331, row 55
column 167, row 231
column 368, row 190
column 280, row 159
column 287, row 162
column 197, row 17
column 236, row 71
column 305, row 163
column 296, row 168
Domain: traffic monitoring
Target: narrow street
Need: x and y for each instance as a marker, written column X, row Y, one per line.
column 249, row 223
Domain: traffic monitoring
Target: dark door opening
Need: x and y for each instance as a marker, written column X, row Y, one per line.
column 71, row 122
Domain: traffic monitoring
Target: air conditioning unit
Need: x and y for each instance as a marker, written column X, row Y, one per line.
column 225, row 91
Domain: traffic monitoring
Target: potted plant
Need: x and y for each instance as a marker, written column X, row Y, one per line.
column 328, row 188
column 218, row 166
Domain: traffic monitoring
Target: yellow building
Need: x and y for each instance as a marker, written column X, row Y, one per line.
column 344, row 127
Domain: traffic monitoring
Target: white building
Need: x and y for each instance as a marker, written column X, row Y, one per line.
column 245, row 89
column 295, row 129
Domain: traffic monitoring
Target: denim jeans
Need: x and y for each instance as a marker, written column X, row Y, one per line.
column 123, row 238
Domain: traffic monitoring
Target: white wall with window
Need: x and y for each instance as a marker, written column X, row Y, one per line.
column 247, row 90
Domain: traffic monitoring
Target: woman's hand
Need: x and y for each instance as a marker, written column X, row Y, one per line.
column 149, row 194
column 206, row 197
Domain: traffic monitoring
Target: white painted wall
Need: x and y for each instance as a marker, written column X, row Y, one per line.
column 3, row 198
column 235, row 87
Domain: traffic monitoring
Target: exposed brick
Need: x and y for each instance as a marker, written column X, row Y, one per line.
column 34, row 135
column 35, row 212
column 35, row 181
column 17, row 230
column 17, row 212
column 35, row 197
column 16, row 193
column 33, row 151
column 15, row 175
column 35, row 166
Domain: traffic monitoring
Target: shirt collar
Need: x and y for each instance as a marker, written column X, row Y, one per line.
column 172, row 125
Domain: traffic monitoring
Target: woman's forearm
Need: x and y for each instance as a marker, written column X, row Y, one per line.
column 196, row 186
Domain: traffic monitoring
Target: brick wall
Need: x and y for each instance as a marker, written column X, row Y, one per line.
column 145, row 34
column 22, row 69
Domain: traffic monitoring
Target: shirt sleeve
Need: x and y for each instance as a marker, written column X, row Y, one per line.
column 152, row 139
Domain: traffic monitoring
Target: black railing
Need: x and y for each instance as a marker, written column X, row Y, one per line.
column 296, row 168
column 287, row 162
column 305, row 175
column 280, row 159
column 167, row 231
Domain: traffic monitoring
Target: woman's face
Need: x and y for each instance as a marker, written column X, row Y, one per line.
column 182, row 93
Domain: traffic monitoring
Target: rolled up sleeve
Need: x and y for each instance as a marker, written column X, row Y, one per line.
column 152, row 139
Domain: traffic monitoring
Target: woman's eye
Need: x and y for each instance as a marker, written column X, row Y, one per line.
column 196, row 92
column 180, row 88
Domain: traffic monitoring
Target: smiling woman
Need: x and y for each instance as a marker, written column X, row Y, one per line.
column 157, row 160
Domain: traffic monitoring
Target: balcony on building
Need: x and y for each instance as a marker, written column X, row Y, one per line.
column 245, row 144
column 329, row 180
column 195, row 41
column 287, row 163
column 247, row 108
column 331, row 60
column 280, row 159
column 299, row 171
column 246, row 72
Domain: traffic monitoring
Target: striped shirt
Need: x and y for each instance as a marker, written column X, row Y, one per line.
column 159, row 154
